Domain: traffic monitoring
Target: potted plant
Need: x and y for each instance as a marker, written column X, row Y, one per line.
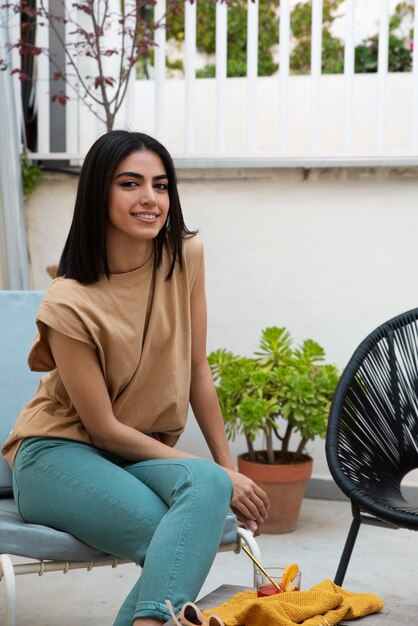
column 281, row 392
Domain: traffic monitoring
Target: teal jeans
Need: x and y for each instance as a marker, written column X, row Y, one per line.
column 166, row 515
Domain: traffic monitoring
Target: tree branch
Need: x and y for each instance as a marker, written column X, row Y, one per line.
column 76, row 92
column 50, row 19
column 124, row 76
column 286, row 438
column 105, row 103
column 251, row 453
column 301, row 446
column 269, row 445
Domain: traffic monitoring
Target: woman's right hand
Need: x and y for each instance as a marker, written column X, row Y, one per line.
column 249, row 502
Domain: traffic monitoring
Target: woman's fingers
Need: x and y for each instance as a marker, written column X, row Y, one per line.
column 250, row 524
column 262, row 495
column 250, row 508
column 249, row 499
column 252, row 496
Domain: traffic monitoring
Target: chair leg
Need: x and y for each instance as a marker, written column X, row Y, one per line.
column 7, row 572
column 348, row 548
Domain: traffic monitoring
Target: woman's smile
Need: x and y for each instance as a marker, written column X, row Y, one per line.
column 150, row 218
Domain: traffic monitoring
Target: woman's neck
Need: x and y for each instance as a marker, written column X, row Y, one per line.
column 124, row 258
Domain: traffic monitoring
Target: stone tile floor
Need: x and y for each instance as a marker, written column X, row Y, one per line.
column 383, row 562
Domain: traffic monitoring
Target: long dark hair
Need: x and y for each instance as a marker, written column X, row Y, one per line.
column 84, row 257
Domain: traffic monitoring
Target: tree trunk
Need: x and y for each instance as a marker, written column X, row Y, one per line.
column 269, row 445
column 301, row 446
column 286, row 438
column 110, row 120
column 251, row 453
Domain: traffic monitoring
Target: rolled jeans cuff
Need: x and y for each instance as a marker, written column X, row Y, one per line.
column 152, row 609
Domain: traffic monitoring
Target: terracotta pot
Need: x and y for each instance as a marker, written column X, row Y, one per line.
column 285, row 488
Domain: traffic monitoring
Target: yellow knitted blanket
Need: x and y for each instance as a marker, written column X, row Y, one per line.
column 325, row 601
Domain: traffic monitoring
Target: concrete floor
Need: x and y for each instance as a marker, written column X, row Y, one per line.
column 383, row 562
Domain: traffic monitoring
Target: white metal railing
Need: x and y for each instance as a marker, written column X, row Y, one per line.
column 249, row 121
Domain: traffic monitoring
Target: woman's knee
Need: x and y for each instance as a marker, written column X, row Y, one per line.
column 214, row 480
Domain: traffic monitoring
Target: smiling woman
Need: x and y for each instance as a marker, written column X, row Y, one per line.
column 122, row 333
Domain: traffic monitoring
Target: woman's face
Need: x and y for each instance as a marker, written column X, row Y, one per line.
column 138, row 197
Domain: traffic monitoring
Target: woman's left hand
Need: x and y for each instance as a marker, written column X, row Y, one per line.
column 249, row 502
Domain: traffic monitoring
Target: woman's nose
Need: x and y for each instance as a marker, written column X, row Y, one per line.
column 148, row 196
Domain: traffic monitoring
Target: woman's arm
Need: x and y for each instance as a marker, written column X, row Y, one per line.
column 81, row 374
column 250, row 503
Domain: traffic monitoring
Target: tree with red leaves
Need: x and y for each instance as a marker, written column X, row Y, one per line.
column 112, row 58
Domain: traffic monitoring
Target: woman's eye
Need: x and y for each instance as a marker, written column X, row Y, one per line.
column 161, row 186
column 129, row 183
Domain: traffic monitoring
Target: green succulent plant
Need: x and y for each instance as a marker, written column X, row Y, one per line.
column 279, row 381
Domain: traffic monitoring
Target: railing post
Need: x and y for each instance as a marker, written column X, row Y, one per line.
column 159, row 56
column 284, row 61
column 190, row 71
column 14, row 26
column 72, row 113
column 382, row 72
column 42, row 84
column 414, row 124
column 221, row 71
column 349, row 70
column 316, row 71
column 252, row 72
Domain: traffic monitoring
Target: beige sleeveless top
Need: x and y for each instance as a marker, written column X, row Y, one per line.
column 140, row 325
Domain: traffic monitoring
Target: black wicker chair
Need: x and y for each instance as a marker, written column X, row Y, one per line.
column 372, row 437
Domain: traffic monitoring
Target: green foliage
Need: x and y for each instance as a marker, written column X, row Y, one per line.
column 209, row 71
column 237, row 35
column 31, row 173
column 279, row 381
column 276, row 345
column 400, row 46
column 332, row 47
column 366, row 53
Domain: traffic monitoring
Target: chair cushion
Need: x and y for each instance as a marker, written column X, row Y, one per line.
column 18, row 311
column 41, row 542
column 230, row 530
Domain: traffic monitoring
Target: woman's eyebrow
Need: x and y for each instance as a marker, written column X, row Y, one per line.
column 140, row 176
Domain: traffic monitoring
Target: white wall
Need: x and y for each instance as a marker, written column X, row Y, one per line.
column 329, row 255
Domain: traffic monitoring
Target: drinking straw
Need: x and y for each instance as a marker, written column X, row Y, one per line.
column 261, row 568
